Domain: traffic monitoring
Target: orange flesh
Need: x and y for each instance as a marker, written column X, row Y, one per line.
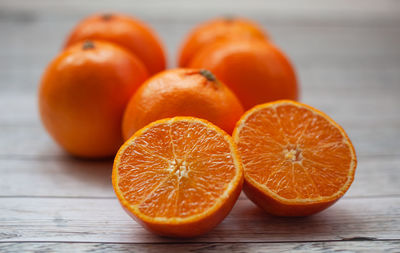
column 295, row 153
column 175, row 169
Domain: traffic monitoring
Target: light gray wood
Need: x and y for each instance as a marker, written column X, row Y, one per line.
column 346, row 102
column 310, row 49
column 308, row 44
column 103, row 220
column 367, row 37
column 342, row 11
column 347, row 56
column 19, row 108
column 27, row 141
column 69, row 177
column 344, row 246
column 347, row 95
column 32, row 142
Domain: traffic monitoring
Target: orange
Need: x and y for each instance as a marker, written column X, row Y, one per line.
column 297, row 161
column 255, row 70
column 83, row 94
column 217, row 29
column 182, row 92
column 130, row 33
column 178, row 177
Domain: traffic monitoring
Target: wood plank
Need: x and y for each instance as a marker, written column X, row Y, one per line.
column 301, row 42
column 345, row 246
column 315, row 79
column 306, row 46
column 325, row 56
column 32, row 142
column 373, row 12
column 67, row 177
column 103, row 220
column 70, row 177
column 346, row 107
column 347, row 59
column 18, row 108
column 360, row 96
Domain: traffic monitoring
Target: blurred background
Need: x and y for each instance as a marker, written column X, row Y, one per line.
column 347, row 58
column 346, row 55
column 353, row 46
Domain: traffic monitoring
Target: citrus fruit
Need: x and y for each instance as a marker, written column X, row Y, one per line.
column 182, row 92
column 130, row 33
column 217, row 29
column 178, row 177
column 297, row 161
column 255, row 70
column 83, row 94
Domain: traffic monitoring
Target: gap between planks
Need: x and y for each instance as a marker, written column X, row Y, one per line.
column 103, row 220
column 375, row 177
column 331, row 246
column 344, row 240
column 33, row 142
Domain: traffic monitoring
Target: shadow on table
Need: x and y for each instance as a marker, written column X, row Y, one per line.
column 247, row 223
column 246, row 220
column 95, row 174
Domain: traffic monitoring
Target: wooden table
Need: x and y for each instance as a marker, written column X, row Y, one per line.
column 347, row 56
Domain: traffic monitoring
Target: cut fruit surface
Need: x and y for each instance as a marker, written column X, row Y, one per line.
column 297, row 161
column 178, row 177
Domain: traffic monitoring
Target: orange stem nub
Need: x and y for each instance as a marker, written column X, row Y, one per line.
column 88, row 45
column 207, row 74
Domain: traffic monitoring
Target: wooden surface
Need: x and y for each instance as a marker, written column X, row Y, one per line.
column 347, row 56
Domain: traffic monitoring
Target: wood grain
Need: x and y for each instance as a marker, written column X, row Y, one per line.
column 103, row 220
column 342, row 246
column 69, row 177
column 347, row 57
column 32, row 142
column 334, row 50
column 310, row 11
column 369, row 97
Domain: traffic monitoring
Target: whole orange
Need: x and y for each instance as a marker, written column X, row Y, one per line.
column 255, row 70
column 217, row 29
column 182, row 92
column 125, row 31
column 83, row 94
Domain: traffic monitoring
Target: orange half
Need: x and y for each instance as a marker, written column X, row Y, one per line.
column 297, row 161
column 178, row 177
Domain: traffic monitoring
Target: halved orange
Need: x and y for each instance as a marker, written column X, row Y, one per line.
column 297, row 161
column 178, row 177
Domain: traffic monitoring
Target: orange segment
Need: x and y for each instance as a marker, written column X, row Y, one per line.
column 297, row 161
column 178, row 177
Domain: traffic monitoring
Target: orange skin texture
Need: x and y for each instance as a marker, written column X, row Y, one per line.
column 181, row 92
column 217, row 29
column 83, row 94
column 275, row 207
column 125, row 31
column 255, row 70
